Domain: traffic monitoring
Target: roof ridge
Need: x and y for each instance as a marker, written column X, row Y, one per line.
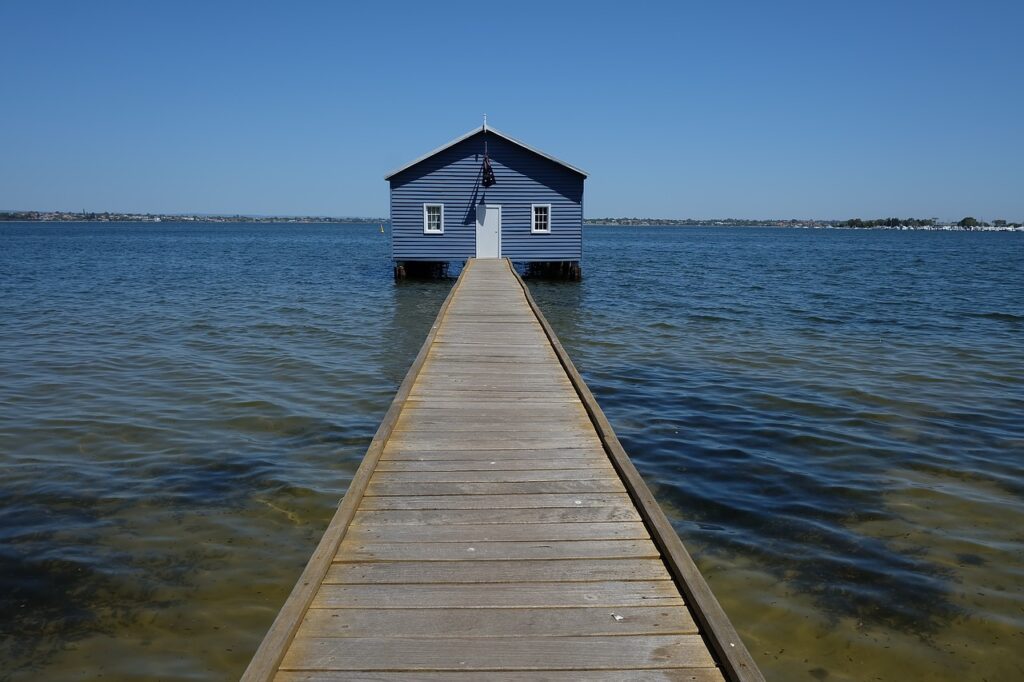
column 485, row 128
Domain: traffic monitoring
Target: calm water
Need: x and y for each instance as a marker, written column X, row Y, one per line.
column 834, row 421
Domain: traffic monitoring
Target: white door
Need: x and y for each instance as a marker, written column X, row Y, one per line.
column 488, row 231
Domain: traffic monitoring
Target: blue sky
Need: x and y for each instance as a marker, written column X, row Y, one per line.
column 710, row 109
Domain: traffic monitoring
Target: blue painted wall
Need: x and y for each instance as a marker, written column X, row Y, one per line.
column 452, row 177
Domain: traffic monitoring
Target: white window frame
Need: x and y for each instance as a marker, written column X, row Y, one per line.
column 533, row 219
column 426, row 222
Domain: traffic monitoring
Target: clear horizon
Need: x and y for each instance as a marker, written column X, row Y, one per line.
column 385, row 217
column 794, row 110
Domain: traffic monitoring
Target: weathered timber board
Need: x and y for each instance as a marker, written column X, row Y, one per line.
column 498, row 501
column 351, row 550
column 635, row 675
column 377, row 488
column 488, row 454
column 498, row 653
column 367, row 531
column 497, row 622
column 403, row 572
column 499, row 595
column 582, row 463
column 497, row 515
column 595, row 470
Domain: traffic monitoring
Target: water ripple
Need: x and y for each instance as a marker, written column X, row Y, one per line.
column 833, row 427
column 832, row 420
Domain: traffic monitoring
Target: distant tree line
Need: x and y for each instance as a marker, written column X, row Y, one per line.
column 967, row 222
column 106, row 216
column 19, row 215
column 889, row 222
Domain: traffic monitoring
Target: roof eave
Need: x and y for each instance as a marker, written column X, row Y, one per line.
column 471, row 133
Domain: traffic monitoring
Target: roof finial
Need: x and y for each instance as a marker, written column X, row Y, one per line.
column 485, row 121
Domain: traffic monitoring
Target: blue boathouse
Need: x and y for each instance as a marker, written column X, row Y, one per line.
column 487, row 195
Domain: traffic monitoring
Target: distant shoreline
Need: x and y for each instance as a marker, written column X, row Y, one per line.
column 108, row 217
column 796, row 225
column 966, row 225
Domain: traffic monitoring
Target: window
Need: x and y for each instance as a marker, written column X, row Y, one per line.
column 433, row 218
column 541, row 219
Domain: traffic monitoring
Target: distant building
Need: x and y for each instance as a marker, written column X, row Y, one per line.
column 446, row 208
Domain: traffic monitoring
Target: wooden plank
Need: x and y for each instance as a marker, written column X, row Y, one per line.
column 421, row 425
column 469, row 368
column 499, row 595
column 583, row 463
column 477, row 352
column 378, row 488
column 552, row 377
column 535, row 396
column 489, row 551
column 517, row 320
column 497, row 622
column 499, row 355
column 474, row 342
column 619, row 500
column 473, row 427
column 540, row 414
column 492, row 384
column 477, row 346
column 442, row 390
column 370, row 532
column 663, row 675
column 453, row 442
column 476, row 516
column 500, row 362
column 496, row 391
column 496, row 402
column 531, row 337
column 512, row 408
column 521, row 413
column 489, row 454
column 548, row 570
column 498, row 653
column 494, row 475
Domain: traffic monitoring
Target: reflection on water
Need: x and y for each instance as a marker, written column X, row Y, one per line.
column 183, row 408
column 831, row 419
column 833, row 427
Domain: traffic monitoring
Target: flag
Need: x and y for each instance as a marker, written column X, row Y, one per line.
column 488, row 176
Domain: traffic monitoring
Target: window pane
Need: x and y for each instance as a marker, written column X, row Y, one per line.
column 433, row 218
column 541, row 216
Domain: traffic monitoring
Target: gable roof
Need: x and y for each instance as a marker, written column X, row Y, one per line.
column 483, row 129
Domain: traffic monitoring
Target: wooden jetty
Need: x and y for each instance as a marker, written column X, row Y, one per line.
column 496, row 530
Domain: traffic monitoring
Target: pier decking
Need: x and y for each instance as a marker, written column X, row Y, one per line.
column 496, row 530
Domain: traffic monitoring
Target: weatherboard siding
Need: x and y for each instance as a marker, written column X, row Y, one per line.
column 452, row 177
